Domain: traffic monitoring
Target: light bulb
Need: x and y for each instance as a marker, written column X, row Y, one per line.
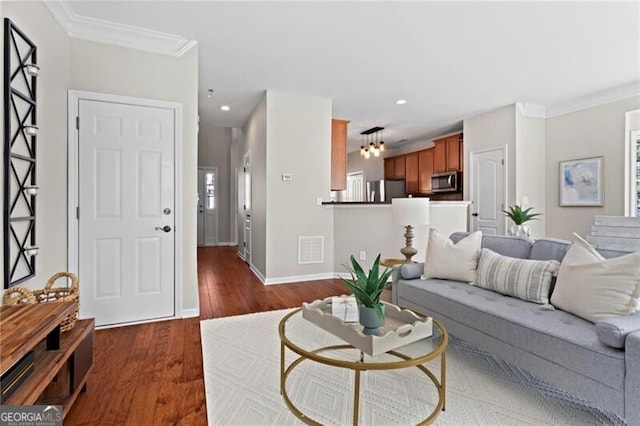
column 366, row 154
column 362, row 150
column 376, row 152
column 381, row 145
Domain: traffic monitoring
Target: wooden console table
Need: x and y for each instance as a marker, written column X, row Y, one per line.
column 62, row 360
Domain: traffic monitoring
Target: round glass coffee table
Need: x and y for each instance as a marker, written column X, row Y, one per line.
column 311, row 343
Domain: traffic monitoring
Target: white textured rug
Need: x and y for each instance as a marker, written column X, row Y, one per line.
column 241, row 358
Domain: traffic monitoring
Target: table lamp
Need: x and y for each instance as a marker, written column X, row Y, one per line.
column 409, row 212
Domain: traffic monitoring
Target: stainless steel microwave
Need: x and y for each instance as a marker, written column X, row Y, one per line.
column 446, row 182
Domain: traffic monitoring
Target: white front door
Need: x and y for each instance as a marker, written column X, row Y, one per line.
column 126, row 201
column 488, row 198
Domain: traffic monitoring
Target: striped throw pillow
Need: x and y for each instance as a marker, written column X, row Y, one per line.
column 522, row 278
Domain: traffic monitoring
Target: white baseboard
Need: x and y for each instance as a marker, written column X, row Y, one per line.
column 257, row 273
column 345, row 275
column 241, row 256
column 190, row 313
column 300, row 278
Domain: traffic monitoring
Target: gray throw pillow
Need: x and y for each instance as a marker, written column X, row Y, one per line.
column 522, row 278
column 411, row 271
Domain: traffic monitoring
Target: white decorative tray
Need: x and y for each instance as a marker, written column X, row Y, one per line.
column 400, row 328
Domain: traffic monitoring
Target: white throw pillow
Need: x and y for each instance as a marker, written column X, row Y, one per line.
column 449, row 261
column 595, row 288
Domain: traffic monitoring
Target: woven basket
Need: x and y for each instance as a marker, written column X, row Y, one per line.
column 70, row 293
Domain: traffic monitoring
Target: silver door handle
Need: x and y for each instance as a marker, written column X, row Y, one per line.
column 165, row 228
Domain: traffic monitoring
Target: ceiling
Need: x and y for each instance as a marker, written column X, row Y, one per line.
column 448, row 60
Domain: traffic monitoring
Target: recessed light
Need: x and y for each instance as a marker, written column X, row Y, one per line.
column 401, row 101
column 225, row 108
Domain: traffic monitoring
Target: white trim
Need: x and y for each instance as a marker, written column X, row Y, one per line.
column 190, row 313
column 74, row 97
column 129, row 36
column 594, row 99
column 241, row 255
column 531, row 110
column 300, row 278
column 344, row 275
column 126, row 324
column 631, row 197
column 223, row 244
column 257, row 273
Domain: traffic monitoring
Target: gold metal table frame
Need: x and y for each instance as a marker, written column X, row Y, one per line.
column 359, row 366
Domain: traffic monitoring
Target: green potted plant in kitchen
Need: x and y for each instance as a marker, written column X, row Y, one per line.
column 519, row 216
column 367, row 289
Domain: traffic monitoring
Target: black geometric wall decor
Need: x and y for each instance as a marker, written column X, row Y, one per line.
column 20, row 130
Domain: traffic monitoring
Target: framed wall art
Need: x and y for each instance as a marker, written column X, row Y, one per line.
column 581, row 182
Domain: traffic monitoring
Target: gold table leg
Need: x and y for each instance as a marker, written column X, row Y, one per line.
column 443, row 379
column 356, row 399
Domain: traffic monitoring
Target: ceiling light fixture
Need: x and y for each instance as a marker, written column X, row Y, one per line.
column 401, row 101
column 210, row 93
column 375, row 145
column 225, row 108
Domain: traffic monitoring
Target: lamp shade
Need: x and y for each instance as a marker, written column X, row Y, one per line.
column 410, row 211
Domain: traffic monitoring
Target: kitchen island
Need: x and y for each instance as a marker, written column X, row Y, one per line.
column 367, row 227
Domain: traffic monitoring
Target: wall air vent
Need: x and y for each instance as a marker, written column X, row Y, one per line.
column 310, row 249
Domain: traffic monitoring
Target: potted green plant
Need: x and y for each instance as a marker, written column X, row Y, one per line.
column 367, row 289
column 519, row 216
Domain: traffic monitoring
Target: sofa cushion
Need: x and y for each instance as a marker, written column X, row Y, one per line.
column 522, row 278
column 519, row 247
column 594, row 288
column 614, row 331
column 410, row 271
column 451, row 261
column 549, row 249
column 557, row 336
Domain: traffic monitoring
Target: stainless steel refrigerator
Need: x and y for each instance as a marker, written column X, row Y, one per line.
column 382, row 191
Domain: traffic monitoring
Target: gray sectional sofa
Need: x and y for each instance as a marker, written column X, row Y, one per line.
column 554, row 345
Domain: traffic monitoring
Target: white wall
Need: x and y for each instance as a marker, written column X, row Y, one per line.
column 103, row 68
column 592, row 132
column 530, row 182
column 35, row 20
column 214, row 150
column 255, row 142
column 299, row 143
column 493, row 129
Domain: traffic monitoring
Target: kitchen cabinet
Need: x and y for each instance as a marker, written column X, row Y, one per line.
column 412, row 174
column 425, row 170
column 394, row 168
column 339, row 154
column 447, row 153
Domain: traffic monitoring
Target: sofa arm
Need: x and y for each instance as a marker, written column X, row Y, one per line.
column 632, row 379
column 614, row 331
column 411, row 271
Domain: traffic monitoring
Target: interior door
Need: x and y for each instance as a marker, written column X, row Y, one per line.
column 201, row 197
column 355, row 186
column 126, row 216
column 210, row 210
column 247, row 207
column 488, row 196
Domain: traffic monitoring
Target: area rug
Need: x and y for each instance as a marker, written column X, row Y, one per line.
column 241, row 357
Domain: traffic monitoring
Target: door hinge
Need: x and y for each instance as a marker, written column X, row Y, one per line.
column 502, row 161
column 78, row 213
column 78, row 123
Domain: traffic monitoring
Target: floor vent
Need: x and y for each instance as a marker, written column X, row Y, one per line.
column 311, row 249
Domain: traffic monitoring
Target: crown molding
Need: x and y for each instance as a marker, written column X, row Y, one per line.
column 595, row 99
column 101, row 31
column 532, row 110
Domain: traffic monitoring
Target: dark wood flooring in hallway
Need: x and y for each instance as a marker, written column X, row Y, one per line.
column 151, row 374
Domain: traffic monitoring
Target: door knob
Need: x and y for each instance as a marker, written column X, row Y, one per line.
column 165, row 228
column 474, row 214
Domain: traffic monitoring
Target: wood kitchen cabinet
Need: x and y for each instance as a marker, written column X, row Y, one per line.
column 412, row 174
column 339, row 154
column 446, row 154
column 425, row 170
column 394, row 168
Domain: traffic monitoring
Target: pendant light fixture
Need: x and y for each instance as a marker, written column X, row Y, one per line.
column 372, row 144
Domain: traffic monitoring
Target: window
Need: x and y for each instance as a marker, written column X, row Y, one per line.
column 210, row 191
column 635, row 140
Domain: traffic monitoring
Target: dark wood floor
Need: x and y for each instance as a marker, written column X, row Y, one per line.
column 151, row 374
